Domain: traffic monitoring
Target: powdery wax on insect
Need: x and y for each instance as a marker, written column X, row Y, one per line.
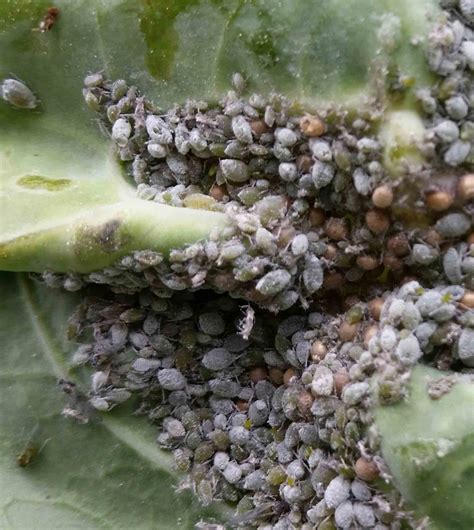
column 16, row 93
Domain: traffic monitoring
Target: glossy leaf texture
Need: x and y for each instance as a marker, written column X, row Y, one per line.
column 58, row 176
column 107, row 474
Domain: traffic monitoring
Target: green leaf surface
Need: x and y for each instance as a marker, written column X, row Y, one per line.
column 58, row 177
column 107, row 474
column 429, row 447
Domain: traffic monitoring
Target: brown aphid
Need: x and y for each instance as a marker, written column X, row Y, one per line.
column 382, row 196
column 377, row 221
column 289, row 374
column 468, row 299
column 466, row 187
column 312, row 126
column 218, row 192
column 304, row 163
column 331, row 252
column 317, row 216
column 49, row 19
column 432, row 237
column 347, row 331
column 258, row 374
column 258, row 127
column 242, row 405
column 370, row 332
column 276, row 376
column 336, row 229
column 470, row 239
column 333, row 281
column 439, row 200
column 350, row 301
column 375, row 308
column 284, row 236
column 304, row 402
column 399, row 245
column 367, row 263
column 318, row 351
column 28, row 455
column 341, row 379
column 366, row 470
column 393, row 263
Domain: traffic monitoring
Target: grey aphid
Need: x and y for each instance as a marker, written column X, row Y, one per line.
column 98, row 380
column 197, row 141
column 142, row 365
column 100, row 403
column 364, row 515
column 234, row 170
column 452, row 266
column 113, row 113
column 258, row 101
column 323, row 381
column 457, row 107
column 447, row 131
column 119, row 89
column 91, row 100
column 158, row 130
column 322, row 174
column 467, row 48
column 235, row 149
column 18, row 94
column 269, row 116
column 238, row 82
column 174, row 427
column 121, row 131
column 313, row 274
column 211, row 323
column 286, row 137
column 288, row 171
column 217, row 359
column 320, row 149
column 361, row 181
column 428, row 302
column 299, row 245
column 457, row 153
column 156, row 150
column 234, row 108
column 408, row 350
column 423, row 254
column 466, row 347
column 258, row 412
column 171, row 379
column 355, row 392
column 453, row 225
column 337, row 492
column 242, row 130
column 232, row 473
column 344, row 516
column 467, row 9
column 368, row 145
column 93, row 80
column 274, row 282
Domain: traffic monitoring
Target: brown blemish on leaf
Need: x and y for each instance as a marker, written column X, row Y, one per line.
column 106, row 237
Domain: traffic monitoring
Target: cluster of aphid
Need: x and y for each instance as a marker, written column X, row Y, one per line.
column 276, row 423
column 274, row 412
column 310, row 206
column 280, row 421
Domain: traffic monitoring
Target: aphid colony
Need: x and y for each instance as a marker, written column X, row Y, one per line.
column 311, row 208
column 283, row 417
column 367, row 274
